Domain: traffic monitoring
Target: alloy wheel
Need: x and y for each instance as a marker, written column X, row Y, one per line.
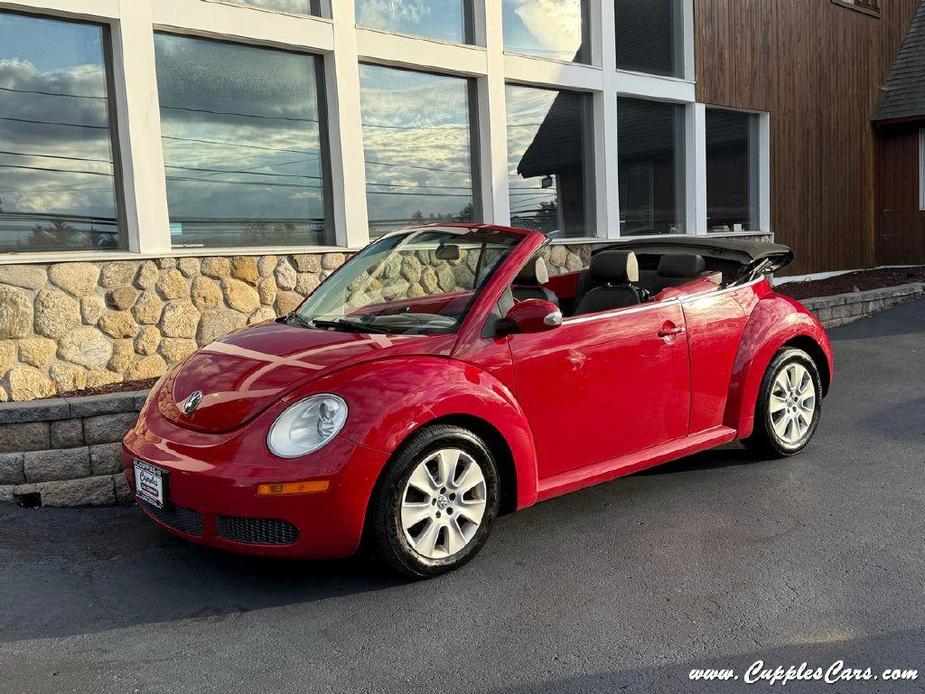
column 443, row 503
column 793, row 403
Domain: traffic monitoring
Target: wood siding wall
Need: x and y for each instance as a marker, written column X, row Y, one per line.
column 817, row 68
column 901, row 224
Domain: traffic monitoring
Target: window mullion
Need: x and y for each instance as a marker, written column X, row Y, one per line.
column 695, row 168
column 492, row 120
column 144, row 183
column 606, row 164
column 345, row 132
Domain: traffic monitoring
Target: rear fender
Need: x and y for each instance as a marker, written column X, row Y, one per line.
column 392, row 398
column 775, row 321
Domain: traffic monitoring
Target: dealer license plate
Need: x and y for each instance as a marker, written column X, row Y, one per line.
column 150, row 484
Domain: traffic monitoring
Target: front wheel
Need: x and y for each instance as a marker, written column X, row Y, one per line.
column 434, row 507
column 788, row 407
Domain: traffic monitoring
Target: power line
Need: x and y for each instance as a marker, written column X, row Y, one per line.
column 54, row 156
column 239, row 183
column 246, row 173
column 38, row 91
column 242, row 115
column 43, row 122
column 414, row 166
column 416, row 127
column 43, row 168
column 225, row 143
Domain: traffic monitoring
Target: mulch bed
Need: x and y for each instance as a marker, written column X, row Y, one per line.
column 124, row 387
column 853, row 282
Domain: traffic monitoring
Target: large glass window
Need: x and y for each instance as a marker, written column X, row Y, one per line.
column 319, row 8
column 418, row 148
column 650, row 143
column 650, row 36
column 57, row 177
column 732, row 171
column 549, row 152
column 554, row 29
column 244, row 144
column 446, row 20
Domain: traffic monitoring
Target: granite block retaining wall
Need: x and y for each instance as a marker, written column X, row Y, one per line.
column 66, row 451
column 833, row 311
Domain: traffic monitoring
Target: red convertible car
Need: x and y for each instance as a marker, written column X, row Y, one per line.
column 440, row 378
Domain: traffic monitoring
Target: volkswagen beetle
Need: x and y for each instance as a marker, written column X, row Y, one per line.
column 440, row 378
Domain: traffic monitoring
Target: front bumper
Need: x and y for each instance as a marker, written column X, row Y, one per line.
column 212, row 491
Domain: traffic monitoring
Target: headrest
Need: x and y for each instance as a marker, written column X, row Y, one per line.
column 534, row 273
column 615, row 267
column 680, row 265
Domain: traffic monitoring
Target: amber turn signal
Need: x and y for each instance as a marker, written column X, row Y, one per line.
column 286, row 488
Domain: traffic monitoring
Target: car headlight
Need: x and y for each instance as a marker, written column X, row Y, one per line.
column 307, row 426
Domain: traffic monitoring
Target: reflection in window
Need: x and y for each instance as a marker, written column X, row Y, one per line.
column 318, row 8
column 445, row 20
column 651, row 167
column 57, row 180
column 732, row 171
column 418, row 148
column 243, row 144
column 650, row 36
column 554, row 29
column 548, row 134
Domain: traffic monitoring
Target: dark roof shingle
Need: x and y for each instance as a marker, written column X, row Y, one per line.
column 903, row 95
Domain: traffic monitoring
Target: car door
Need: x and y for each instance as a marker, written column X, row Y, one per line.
column 604, row 385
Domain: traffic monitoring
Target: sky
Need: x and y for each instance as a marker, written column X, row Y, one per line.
column 55, row 148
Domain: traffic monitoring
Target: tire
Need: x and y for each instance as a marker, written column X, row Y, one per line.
column 773, row 436
column 412, row 526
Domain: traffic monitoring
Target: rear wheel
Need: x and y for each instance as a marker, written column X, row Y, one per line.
column 788, row 407
column 436, row 502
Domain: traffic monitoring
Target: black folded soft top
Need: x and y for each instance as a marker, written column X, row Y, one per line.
column 755, row 256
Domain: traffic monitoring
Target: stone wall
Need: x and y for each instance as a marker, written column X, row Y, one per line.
column 69, row 326
column 66, row 451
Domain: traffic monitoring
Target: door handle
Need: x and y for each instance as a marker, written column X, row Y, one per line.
column 672, row 331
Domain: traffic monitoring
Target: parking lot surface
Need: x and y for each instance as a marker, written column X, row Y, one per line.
column 715, row 561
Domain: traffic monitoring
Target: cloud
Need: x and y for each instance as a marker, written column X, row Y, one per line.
column 391, row 14
column 40, row 119
column 555, row 24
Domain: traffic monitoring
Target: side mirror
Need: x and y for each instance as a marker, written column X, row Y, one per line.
column 531, row 316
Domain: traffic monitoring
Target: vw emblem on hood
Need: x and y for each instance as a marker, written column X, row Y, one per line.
column 191, row 403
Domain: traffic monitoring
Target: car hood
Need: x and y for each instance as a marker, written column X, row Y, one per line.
column 243, row 374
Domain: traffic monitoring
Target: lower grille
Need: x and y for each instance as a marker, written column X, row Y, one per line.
column 180, row 518
column 256, row 531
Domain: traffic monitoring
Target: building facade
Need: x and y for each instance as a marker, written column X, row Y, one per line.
column 173, row 169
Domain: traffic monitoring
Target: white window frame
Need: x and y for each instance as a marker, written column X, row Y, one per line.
column 343, row 46
column 922, row 169
column 698, row 186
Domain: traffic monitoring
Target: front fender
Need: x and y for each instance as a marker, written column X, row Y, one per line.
column 775, row 321
column 390, row 399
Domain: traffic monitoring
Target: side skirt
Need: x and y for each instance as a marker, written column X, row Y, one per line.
column 633, row 462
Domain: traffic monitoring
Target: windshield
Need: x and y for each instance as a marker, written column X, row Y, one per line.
column 419, row 281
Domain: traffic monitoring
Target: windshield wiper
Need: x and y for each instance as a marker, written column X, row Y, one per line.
column 344, row 324
column 294, row 316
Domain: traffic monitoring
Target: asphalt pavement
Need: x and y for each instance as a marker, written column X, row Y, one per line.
column 715, row 561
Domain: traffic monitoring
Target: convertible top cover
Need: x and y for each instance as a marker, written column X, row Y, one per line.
column 755, row 256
